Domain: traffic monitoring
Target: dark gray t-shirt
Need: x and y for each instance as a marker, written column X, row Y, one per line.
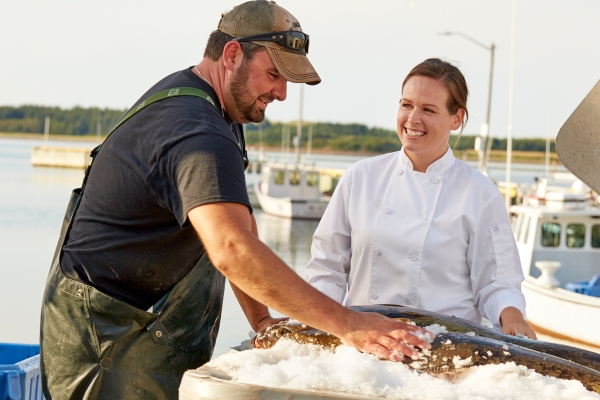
column 131, row 237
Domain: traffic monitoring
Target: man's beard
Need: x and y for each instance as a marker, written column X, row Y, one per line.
column 244, row 103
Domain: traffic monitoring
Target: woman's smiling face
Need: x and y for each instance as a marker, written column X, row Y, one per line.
column 424, row 121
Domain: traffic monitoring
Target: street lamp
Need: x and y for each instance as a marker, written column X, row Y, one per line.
column 482, row 145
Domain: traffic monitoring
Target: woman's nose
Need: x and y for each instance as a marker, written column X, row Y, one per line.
column 413, row 116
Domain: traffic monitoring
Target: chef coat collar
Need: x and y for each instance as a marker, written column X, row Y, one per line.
column 438, row 167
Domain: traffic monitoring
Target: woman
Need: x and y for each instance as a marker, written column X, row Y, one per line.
column 419, row 227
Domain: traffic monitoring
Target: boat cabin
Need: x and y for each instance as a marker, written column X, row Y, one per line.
column 288, row 180
column 567, row 232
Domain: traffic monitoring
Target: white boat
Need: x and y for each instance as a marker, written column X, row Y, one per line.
column 289, row 190
column 558, row 236
column 292, row 190
column 559, row 246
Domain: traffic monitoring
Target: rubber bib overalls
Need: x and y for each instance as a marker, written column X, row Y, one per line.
column 96, row 347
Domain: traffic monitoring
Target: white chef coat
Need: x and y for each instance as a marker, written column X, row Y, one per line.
column 439, row 240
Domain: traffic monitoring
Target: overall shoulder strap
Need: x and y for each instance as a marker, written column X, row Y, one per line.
column 163, row 94
column 78, row 193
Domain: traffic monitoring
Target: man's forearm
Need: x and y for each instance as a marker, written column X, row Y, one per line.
column 229, row 237
column 234, row 249
column 255, row 312
column 269, row 281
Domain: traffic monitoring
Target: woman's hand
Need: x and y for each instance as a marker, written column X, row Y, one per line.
column 514, row 324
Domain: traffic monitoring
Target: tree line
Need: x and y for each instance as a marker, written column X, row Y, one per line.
column 352, row 137
column 360, row 138
column 74, row 121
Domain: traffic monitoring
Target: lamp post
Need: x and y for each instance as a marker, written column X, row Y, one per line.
column 482, row 145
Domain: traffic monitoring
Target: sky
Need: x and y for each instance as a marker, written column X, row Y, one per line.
column 107, row 53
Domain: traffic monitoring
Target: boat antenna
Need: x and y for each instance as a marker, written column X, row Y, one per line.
column 46, row 129
column 261, row 146
column 299, row 128
column 309, row 144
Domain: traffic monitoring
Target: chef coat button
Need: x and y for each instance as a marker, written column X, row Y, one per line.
column 408, row 302
column 496, row 228
column 387, row 210
column 374, row 296
column 425, row 217
column 434, row 180
column 400, row 172
column 376, row 252
column 412, row 258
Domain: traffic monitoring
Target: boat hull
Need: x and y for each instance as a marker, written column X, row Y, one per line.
column 290, row 208
column 563, row 314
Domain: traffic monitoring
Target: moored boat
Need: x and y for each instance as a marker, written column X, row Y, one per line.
column 291, row 190
column 559, row 247
column 562, row 314
column 558, row 237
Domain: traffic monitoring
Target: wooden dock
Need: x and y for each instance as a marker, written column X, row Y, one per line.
column 66, row 157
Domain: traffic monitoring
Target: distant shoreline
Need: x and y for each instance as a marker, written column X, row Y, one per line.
column 40, row 136
column 525, row 157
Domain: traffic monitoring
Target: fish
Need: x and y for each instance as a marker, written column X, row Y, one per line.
column 463, row 345
column 424, row 318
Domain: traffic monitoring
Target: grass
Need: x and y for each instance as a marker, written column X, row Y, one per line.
column 527, row 157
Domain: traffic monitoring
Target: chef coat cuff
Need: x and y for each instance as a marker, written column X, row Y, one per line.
column 500, row 302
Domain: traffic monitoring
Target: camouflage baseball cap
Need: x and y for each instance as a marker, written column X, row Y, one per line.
column 265, row 23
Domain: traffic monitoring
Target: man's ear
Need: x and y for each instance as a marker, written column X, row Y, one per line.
column 232, row 55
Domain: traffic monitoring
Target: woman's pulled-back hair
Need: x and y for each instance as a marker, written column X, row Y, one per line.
column 217, row 41
column 451, row 77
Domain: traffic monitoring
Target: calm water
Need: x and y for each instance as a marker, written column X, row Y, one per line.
column 32, row 205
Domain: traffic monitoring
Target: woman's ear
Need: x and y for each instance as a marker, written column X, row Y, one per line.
column 458, row 119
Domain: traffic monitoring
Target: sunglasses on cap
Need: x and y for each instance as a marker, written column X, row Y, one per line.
column 293, row 41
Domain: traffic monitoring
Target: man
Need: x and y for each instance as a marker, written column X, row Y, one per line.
column 165, row 193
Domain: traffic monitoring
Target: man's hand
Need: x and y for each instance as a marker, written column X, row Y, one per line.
column 376, row 334
column 514, row 324
column 267, row 322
